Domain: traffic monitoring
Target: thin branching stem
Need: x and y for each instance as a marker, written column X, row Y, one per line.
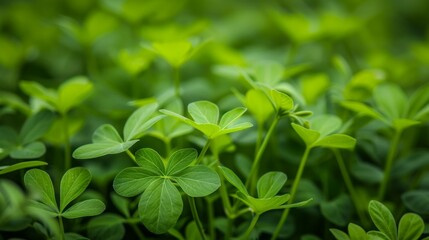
column 253, row 175
column 292, row 192
column 203, row 152
column 137, row 231
column 196, row 217
column 389, row 163
column 131, row 155
column 349, row 185
column 60, row 222
column 252, row 225
column 67, row 145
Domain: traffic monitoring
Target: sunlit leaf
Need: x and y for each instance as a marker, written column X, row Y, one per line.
column 270, row 184
column 140, row 121
column 411, row 226
column 198, row 181
column 180, row 159
column 133, row 181
column 73, row 184
column 233, row 179
column 383, row 219
column 21, row 165
column 150, row 160
column 160, row 206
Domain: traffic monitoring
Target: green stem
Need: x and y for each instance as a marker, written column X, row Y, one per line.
column 60, row 221
column 253, row 175
column 210, row 211
column 177, row 82
column 249, row 230
column 131, row 155
column 137, row 231
column 224, row 192
column 349, row 185
column 67, row 146
column 167, row 142
column 259, row 138
column 203, row 152
column 292, row 192
column 196, row 217
column 389, row 163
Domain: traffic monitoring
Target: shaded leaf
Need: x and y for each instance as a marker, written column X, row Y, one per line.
column 91, row 207
column 21, row 165
column 29, row 151
column 338, row 211
column 36, row 126
column 417, row 201
column 106, row 227
column 39, row 182
column 339, row 235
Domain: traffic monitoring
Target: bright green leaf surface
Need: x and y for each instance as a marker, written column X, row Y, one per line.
column 94, row 150
column 91, row 207
column 133, row 181
column 150, row 160
column 411, row 226
column 140, row 121
column 356, row 232
column 175, row 53
column 231, row 116
column 391, row 100
column 180, row 159
column 325, row 124
column 259, row 105
column 270, row 184
column 204, row 112
column 73, row 184
column 307, row 135
column 39, row 181
column 160, row 206
column 336, row 141
column 362, row 109
column 383, row 219
column 377, row 235
column 269, row 72
column 198, row 181
column 72, row 92
column 22, row 165
column 282, row 101
column 234, row 179
column 106, row 133
column 339, row 235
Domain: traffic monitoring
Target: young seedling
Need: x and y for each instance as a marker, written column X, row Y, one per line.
column 268, row 187
column 205, row 118
column 160, row 204
column 398, row 113
column 411, row 226
column 73, row 184
column 69, row 94
column 106, row 140
column 25, row 145
column 319, row 135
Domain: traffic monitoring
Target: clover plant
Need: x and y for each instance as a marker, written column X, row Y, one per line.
column 195, row 120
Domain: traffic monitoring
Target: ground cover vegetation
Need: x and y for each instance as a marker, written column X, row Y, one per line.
column 157, row 119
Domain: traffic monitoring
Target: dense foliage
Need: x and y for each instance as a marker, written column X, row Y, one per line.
column 158, row 119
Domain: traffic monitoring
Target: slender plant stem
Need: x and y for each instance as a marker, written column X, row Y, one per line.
column 292, row 192
column 177, row 81
column 196, row 217
column 203, row 152
column 67, row 146
column 349, row 185
column 253, row 175
column 259, row 138
column 167, row 142
column 249, row 230
column 223, row 191
column 389, row 163
column 210, row 211
column 137, row 231
column 131, row 155
column 60, row 221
